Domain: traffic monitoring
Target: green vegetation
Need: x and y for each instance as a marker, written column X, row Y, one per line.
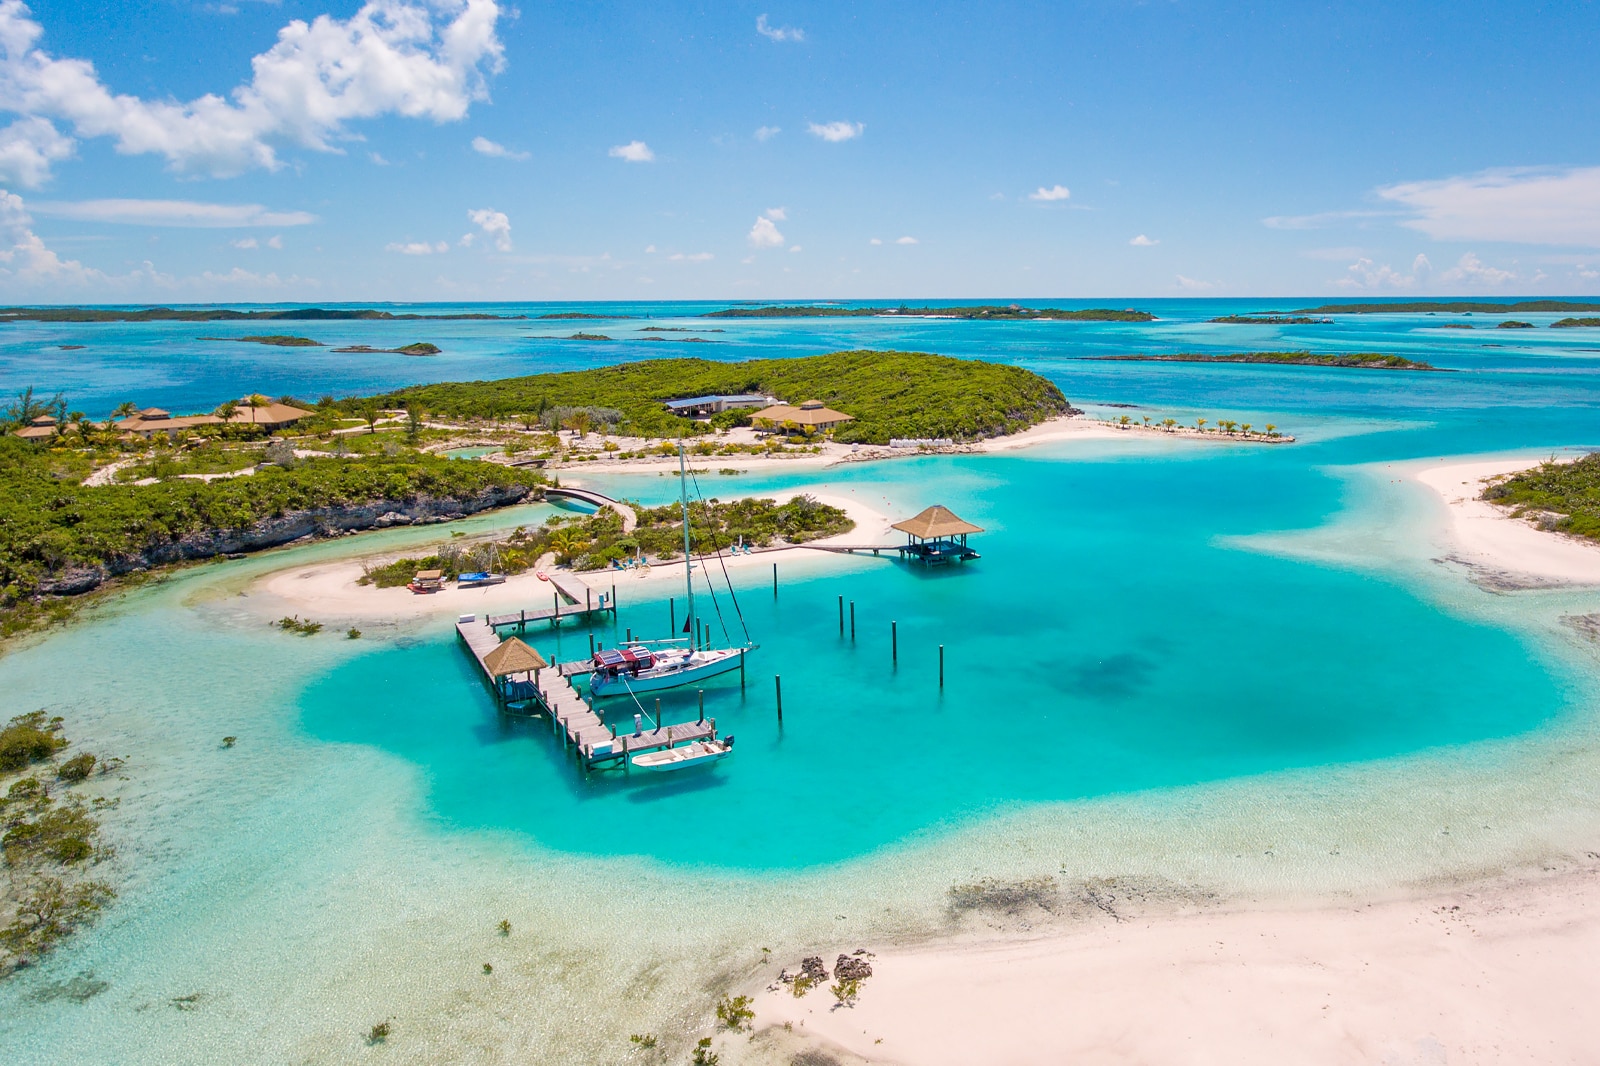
column 279, row 340
column 63, row 537
column 1272, row 320
column 588, row 337
column 419, row 348
column 577, row 314
column 504, row 927
column 1358, row 360
column 379, row 1033
column 733, row 1012
column 1512, row 323
column 295, row 624
column 1566, row 496
column 1569, row 323
column 846, row 991
column 891, row 394
column 1450, row 307
column 644, row 1040
column 1008, row 312
column 703, row 1055
column 50, row 840
column 220, row 314
column 590, row 542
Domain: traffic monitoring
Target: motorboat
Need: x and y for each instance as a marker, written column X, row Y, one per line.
column 697, row 753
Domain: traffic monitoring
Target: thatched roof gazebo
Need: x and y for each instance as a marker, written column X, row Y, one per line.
column 513, row 657
column 938, row 535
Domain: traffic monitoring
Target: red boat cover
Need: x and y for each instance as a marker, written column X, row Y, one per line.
column 624, row 658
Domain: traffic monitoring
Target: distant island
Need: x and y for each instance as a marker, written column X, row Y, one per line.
column 279, row 340
column 1449, row 307
column 588, row 337
column 420, row 348
column 1272, row 320
column 1456, row 325
column 1512, row 323
column 576, row 314
column 1006, row 312
column 222, row 314
column 1568, row 323
column 681, row 340
column 677, row 329
column 1355, row 360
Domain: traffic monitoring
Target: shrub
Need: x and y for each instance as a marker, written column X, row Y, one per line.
column 76, row 768
column 27, row 739
column 734, row 1012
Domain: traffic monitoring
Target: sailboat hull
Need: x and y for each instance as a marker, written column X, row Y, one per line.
column 674, row 674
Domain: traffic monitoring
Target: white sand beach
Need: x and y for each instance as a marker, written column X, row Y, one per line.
column 330, row 591
column 1497, row 973
column 1488, row 538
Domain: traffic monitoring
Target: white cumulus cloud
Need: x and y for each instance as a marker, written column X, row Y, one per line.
column 245, row 242
column 875, row 240
column 1522, row 205
column 417, row 248
column 1471, row 270
column 495, row 225
column 1054, row 192
column 694, row 257
column 632, row 152
column 1364, row 273
column 187, row 213
column 1141, row 241
column 1195, row 284
column 834, row 132
column 905, row 240
column 764, row 234
column 766, row 133
column 778, row 33
column 495, row 150
column 777, row 214
column 27, row 148
column 419, row 60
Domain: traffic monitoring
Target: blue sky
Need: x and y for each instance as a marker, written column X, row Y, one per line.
column 178, row 150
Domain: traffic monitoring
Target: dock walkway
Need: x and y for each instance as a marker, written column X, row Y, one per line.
column 630, row 520
column 582, row 603
column 579, row 724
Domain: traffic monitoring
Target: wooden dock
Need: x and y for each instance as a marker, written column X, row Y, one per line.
column 579, row 724
column 581, row 602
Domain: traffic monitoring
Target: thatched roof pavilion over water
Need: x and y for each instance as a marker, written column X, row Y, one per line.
column 938, row 535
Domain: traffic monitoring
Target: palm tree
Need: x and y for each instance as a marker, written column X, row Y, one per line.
column 125, row 409
column 370, row 413
column 415, row 416
column 1123, row 421
column 579, row 422
column 1272, row 430
column 1245, row 429
column 1200, row 424
column 566, row 543
column 1169, row 423
column 1147, row 421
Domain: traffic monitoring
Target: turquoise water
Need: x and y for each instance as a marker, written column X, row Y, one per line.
column 1228, row 666
column 1106, row 642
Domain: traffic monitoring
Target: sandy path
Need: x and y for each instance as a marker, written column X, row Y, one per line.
column 1486, row 538
column 1498, row 974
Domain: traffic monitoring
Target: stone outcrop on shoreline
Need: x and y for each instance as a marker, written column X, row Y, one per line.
column 284, row 529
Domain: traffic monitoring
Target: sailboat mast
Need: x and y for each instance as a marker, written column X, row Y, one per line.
column 688, row 573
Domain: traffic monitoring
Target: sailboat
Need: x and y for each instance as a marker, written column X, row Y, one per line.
column 653, row 665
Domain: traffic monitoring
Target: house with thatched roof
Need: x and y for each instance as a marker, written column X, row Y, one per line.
column 937, row 535
column 808, row 418
column 513, row 657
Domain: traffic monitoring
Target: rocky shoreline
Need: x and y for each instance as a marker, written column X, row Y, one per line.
column 284, row 529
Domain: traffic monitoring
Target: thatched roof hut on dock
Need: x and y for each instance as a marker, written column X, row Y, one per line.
column 938, row 535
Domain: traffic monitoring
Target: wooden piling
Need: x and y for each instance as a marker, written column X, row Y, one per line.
column 941, row 666
column 774, row 580
column 777, row 684
column 591, row 645
column 702, row 705
column 894, row 643
column 841, row 616
column 852, row 621
column 672, row 616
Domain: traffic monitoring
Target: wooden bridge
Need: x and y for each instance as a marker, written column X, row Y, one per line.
column 630, row 520
column 579, row 723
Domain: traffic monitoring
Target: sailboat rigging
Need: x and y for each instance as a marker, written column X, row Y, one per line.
column 650, row 666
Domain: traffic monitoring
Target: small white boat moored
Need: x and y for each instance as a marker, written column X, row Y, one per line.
column 698, row 753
